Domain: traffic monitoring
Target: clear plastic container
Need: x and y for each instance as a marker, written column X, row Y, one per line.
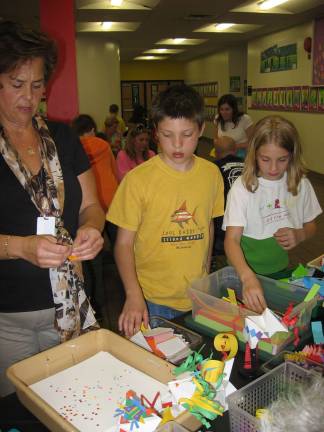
column 243, row 403
column 211, row 311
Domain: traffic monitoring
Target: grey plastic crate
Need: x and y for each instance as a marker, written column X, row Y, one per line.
column 243, row 403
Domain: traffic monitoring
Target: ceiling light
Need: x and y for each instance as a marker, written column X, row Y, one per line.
column 269, row 4
column 161, row 50
column 116, row 2
column 223, row 26
column 106, row 25
column 178, row 40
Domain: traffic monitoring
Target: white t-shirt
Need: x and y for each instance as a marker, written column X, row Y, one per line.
column 270, row 207
column 238, row 133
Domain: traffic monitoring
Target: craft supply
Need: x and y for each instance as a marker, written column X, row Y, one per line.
column 261, row 413
column 164, row 342
column 312, row 292
column 211, row 370
column 227, row 344
column 317, row 330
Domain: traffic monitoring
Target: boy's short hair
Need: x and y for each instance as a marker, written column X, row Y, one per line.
column 178, row 101
column 84, row 123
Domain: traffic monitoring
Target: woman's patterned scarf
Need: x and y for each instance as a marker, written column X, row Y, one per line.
column 73, row 312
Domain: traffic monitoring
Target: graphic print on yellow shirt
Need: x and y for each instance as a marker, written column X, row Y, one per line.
column 171, row 212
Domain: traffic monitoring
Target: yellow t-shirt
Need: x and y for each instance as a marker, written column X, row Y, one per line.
column 171, row 213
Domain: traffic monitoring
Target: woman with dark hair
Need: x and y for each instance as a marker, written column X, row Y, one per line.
column 230, row 122
column 136, row 150
column 50, row 217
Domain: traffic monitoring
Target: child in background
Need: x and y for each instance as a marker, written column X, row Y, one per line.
column 136, row 150
column 164, row 210
column 270, row 209
column 113, row 136
column 102, row 160
column 231, row 168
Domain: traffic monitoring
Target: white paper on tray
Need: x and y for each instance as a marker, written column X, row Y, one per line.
column 150, row 425
column 87, row 394
column 262, row 327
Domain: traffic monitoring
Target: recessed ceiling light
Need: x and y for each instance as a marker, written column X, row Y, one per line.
column 116, row 2
column 269, row 4
column 223, row 26
column 161, row 50
column 106, row 25
column 178, row 40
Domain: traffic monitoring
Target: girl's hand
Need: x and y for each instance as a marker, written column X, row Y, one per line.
column 43, row 251
column 88, row 243
column 287, row 238
column 133, row 314
column 253, row 297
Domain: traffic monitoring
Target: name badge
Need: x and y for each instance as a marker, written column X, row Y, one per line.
column 46, row 225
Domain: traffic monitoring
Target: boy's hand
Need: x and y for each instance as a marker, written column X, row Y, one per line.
column 253, row 297
column 133, row 314
column 288, row 238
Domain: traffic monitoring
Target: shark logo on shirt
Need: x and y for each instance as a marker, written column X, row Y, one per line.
column 181, row 215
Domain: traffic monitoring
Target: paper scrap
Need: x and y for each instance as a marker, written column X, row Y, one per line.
column 312, row 293
column 317, row 330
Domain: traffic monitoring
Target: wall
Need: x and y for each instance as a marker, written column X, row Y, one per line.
column 98, row 76
column 310, row 126
column 208, row 69
column 151, row 70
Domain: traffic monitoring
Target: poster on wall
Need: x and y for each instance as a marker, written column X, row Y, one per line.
column 264, row 98
column 235, row 83
column 321, row 99
column 296, row 98
column 318, row 52
column 275, row 58
column 304, row 104
column 282, row 98
column 269, row 98
column 313, row 99
column 275, row 98
column 289, row 98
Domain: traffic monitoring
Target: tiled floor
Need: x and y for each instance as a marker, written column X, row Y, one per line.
column 306, row 251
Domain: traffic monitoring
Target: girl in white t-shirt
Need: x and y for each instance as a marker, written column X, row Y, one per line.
column 230, row 122
column 270, row 209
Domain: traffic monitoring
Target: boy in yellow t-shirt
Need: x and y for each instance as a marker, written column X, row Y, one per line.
column 164, row 209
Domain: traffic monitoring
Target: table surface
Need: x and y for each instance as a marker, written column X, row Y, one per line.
column 14, row 415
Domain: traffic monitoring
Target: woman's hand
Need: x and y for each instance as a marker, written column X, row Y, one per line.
column 253, row 297
column 44, row 251
column 287, row 238
column 87, row 244
column 133, row 314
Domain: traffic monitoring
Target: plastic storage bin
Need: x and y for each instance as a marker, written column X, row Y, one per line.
column 243, row 403
column 211, row 312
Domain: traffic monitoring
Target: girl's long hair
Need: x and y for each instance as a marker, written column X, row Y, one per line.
column 230, row 100
column 276, row 130
column 129, row 146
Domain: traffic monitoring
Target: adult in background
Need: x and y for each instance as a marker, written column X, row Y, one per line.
column 136, row 150
column 230, row 122
column 50, row 217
